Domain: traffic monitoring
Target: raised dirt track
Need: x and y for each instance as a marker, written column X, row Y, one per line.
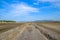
column 30, row 31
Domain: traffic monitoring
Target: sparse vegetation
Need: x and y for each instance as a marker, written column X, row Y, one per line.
column 7, row 26
column 30, row 30
column 2, row 21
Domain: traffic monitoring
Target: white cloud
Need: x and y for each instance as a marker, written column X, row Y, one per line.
column 18, row 11
column 55, row 3
column 22, row 9
column 47, row 0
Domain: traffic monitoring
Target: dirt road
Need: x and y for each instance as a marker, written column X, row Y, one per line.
column 30, row 31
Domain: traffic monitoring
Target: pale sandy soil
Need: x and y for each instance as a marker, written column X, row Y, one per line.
column 30, row 31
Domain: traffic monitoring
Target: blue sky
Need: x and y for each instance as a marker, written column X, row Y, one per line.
column 29, row 10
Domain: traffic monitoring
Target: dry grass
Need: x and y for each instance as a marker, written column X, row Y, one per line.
column 52, row 25
column 10, row 31
column 6, row 26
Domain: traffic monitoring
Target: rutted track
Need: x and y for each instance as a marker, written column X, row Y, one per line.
column 50, row 34
column 30, row 31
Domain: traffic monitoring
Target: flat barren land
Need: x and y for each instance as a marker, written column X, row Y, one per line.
column 30, row 31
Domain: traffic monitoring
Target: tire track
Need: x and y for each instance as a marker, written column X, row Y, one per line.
column 31, row 33
column 50, row 34
column 46, row 35
column 11, row 34
column 58, row 31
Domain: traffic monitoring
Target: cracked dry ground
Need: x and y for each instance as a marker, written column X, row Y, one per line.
column 30, row 31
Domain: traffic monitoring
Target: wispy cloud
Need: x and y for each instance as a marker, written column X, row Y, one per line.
column 12, row 11
column 22, row 9
column 18, row 9
column 48, row 0
column 55, row 3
